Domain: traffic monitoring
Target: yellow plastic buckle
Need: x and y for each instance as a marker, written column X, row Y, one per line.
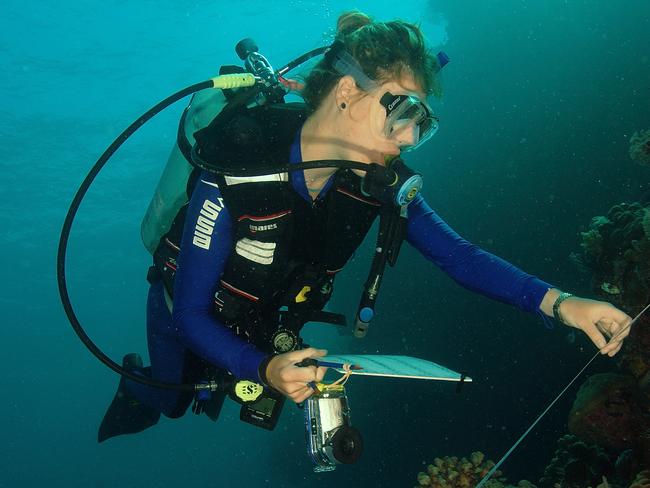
column 301, row 297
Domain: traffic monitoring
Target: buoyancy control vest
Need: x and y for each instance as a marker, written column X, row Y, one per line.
column 286, row 250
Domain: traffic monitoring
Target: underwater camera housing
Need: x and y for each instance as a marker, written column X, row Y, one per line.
column 331, row 440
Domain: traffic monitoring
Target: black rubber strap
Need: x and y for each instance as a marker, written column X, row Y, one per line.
column 261, row 371
column 460, row 384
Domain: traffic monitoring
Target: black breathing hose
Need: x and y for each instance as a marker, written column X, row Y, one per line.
column 65, row 234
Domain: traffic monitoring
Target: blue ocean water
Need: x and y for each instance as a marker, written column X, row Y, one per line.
column 540, row 99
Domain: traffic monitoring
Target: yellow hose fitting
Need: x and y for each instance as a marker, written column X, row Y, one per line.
column 237, row 80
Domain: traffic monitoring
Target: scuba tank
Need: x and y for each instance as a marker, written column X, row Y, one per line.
column 171, row 192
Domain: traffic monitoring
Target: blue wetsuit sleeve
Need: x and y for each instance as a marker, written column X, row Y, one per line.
column 205, row 247
column 468, row 264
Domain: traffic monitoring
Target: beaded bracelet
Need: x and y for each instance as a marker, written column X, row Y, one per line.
column 556, row 306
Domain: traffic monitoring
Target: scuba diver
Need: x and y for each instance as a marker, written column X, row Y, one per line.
column 248, row 260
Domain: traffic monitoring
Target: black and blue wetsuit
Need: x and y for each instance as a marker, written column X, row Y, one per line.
column 178, row 340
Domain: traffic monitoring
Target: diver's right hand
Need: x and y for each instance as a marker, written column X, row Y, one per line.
column 293, row 381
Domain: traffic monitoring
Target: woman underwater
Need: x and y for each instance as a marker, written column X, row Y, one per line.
column 251, row 246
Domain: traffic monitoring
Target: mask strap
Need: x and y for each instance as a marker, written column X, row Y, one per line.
column 345, row 65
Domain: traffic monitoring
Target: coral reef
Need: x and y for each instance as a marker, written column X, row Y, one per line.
column 616, row 250
column 454, row 472
column 576, row 464
column 606, row 413
column 636, row 355
column 640, row 147
column 604, row 484
column 612, row 410
column 627, row 464
column 642, row 480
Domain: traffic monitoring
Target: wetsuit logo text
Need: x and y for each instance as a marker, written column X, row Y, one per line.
column 205, row 223
column 261, row 228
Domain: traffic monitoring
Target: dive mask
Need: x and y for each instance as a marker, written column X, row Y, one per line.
column 408, row 119
column 403, row 112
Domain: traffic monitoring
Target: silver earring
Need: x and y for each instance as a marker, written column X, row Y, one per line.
column 342, row 106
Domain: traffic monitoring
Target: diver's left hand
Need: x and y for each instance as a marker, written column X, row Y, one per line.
column 603, row 323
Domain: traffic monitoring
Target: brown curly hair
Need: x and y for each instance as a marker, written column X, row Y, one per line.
column 385, row 51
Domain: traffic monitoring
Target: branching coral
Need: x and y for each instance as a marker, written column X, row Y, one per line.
column 576, row 465
column 645, row 222
column 642, row 480
column 592, row 240
column 640, row 147
column 616, row 249
column 452, row 472
column 636, row 358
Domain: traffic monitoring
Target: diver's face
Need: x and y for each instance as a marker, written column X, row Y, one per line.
column 368, row 118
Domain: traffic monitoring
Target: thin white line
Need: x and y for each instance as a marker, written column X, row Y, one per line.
column 210, row 183
column 238, row 180
column 539, row 417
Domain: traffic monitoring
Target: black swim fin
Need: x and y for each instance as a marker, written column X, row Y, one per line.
column 126, row 415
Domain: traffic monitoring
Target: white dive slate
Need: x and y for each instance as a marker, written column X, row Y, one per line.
column 396, row 366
